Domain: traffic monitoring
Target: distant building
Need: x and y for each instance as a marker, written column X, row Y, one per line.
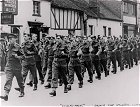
column 33, row 16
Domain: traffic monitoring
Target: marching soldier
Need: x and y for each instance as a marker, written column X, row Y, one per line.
column 119, row 54
column 37, row 57
column 126, row 58
column 103, row 57
column 59, row 66
column 111, row 55
column 13, row 67
column 85, row 60
column 29, row 62
column 74, row 66
column 49, row 65
column 96, row 50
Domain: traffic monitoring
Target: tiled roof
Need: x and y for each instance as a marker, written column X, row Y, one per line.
column 108, row 9
column 65, row 4
column 113, row 5
column 83, row 4
column 108, row 13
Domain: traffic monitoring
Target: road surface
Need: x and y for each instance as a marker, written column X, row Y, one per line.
column 120, row 88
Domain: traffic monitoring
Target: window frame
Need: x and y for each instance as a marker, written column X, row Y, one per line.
column 125, row 7
column 109, row 31
column 104, row 30
column 91, row 29
column 36, row 4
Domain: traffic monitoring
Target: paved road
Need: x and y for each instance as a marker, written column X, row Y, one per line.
column 120, row 88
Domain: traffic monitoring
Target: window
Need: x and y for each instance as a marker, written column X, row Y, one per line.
column 133, row 9
column 109, row 31
column 36, row 8
column 104, row 29
column 125, row 8
column 90, row 30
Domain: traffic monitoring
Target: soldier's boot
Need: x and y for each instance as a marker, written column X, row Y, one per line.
column 69, row 87
column 98, row 77
column 48, row 86
column 35, row 87
column 42, row 81
column 53, row 93
column 22, row 94
column 65, row 89
column 17, row 89
column 90, row 79
column 30, row 83
column 4, row 97
column 80, row 84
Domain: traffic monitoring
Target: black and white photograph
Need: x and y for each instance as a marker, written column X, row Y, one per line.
column 70, row 53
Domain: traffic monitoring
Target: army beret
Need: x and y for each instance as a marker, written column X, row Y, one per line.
column 11, row 35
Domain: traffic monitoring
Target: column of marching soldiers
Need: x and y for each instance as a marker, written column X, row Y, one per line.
column 59, row 58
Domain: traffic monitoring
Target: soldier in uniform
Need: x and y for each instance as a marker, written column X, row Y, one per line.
column 135, row 51
column 103, row 57
column 111, row 55
column 85, row 60
column 13, row 67
column 96, row 50
column 38, row 57
column 74, row 66
column 29, row 62
column 126, row 58
column 119, row 54
column 49, row 65
column 59, row 66
column 45, row 56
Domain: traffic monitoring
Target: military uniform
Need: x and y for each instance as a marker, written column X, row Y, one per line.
column 38, row 61
column 86, row 62
column 29, row 62
column 59, row 66
column 103, row 59
column 126, row 57
column 95, row 58
column 74, row 66
column 49, row 65
column 111, row 56
column 13, row 68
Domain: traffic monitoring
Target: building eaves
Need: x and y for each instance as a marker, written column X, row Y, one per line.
column 67, row 4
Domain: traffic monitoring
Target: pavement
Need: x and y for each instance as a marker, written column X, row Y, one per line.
column 117, row 89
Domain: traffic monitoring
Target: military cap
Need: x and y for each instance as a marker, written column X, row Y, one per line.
column 11, row 35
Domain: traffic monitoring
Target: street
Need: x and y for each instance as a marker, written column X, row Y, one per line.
column 120, row 88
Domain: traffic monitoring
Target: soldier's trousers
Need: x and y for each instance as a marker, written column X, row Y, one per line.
column 96, row 63
column 112, row 58
column 74, row 66
column 131, row 58
column 135, row 56
column 49, row 73
column 126, row 58
column 44, row 67
column 119, row 59
column 32, row 68
column 87, row 64
column 59, row 66
column 103, row 62
column 39, row 69
column 9, row 78
column 139, row 54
